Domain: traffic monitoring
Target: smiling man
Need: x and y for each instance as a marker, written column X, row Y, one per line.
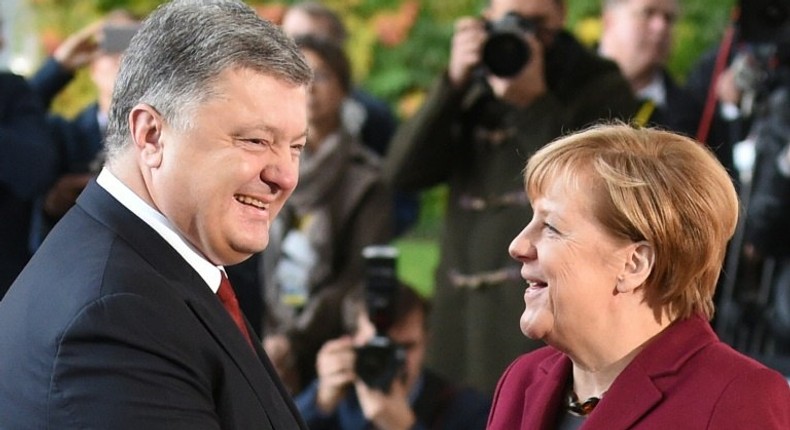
column 124, row 318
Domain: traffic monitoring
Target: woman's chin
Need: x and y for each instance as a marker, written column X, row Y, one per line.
column 535, row 325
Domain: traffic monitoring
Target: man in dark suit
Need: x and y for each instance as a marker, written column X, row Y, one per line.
column 637, row 35
column 27, row 157
column 115, row 322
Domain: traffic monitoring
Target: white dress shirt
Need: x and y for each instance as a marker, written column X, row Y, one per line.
column 207, row 270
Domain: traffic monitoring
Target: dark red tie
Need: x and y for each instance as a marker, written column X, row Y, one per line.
column 228, row 299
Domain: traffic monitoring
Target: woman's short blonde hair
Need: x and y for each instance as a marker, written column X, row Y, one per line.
column 654, row 186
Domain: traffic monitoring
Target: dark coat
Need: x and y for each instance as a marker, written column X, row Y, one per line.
column 682, row 111
column 478, row 147
column 685, row 378
column 109, row 327
column 78, row 141
column 27, row 160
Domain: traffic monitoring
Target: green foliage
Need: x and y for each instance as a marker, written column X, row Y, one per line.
column 413, row 64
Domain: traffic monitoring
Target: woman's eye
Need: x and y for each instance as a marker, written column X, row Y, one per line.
column 550, row 228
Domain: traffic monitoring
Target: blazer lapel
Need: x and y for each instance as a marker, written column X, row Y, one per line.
column 542, row 399
column 636, row 387
column 640, row 395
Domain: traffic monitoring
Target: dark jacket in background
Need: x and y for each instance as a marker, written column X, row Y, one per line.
column 78, row 141
column 27, row 159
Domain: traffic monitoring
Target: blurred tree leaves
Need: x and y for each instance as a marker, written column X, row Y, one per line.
column 397, row 47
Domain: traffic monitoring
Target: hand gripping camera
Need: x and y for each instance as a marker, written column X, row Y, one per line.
column 380, row 360
column 505, row 52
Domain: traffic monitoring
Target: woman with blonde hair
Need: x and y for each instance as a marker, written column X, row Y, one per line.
column 621, row 260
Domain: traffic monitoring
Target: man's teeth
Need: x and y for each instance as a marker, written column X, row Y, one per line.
column 247, row 200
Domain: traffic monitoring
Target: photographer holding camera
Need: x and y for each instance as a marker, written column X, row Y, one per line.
column 407, row 395
column 484, row 117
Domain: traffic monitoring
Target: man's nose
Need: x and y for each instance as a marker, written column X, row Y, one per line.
column 282, row 171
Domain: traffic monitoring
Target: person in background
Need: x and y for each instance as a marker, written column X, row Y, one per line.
column 341, row 206
column 80, row 141
column 417, row 399
column 124, row 317
column 619, row 264
column 363, row 114
column 27, row 168
column 637, row 35
column 473, row 133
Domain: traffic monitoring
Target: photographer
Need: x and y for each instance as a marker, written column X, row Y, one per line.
column 416, row 399
column 474, row 133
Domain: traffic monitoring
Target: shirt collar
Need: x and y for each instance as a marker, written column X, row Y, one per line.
column 207, row 270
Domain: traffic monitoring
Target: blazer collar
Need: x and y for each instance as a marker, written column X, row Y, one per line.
column 178, row 274
column 635, row 386
column 546, row 395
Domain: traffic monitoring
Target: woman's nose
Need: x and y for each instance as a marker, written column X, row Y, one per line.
column 521, row 247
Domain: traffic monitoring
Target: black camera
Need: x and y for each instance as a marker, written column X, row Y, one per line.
column 380, row 360
column 505, row 52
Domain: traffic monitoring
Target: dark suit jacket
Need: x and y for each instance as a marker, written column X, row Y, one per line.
column 108, row 327
column 27, row 159
column 684, row 379
column 681, row 113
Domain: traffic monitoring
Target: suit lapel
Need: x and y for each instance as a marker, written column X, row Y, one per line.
column 198, row 296
column 253, row 364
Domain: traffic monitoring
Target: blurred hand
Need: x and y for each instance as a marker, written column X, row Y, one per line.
column 388, row 411
column 466, row 49
column 80, row 48
column 529, row 84
column 62, row 196
column 726, row 88
column 335, row 368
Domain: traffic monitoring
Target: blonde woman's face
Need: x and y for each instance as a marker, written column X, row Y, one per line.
column 570, row 263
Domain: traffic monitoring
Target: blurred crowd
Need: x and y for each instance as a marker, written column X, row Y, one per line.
column 516, row 80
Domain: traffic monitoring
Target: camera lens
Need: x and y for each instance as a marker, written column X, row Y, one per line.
column 505, row 54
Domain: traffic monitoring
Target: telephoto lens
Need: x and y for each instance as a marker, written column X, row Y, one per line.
column 505, row 52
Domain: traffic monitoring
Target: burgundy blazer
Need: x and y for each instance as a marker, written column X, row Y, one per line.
column 684, row 379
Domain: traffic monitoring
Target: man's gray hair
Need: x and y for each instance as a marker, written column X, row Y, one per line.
column 183, row 46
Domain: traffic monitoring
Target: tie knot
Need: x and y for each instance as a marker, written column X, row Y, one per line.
column 225, row 292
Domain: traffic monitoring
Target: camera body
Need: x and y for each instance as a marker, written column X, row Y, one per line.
column 380, row 360
column 505, row 52
column 116, row 37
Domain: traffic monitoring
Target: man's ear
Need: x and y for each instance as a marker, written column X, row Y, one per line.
column 145, row 125
column 638, row 266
